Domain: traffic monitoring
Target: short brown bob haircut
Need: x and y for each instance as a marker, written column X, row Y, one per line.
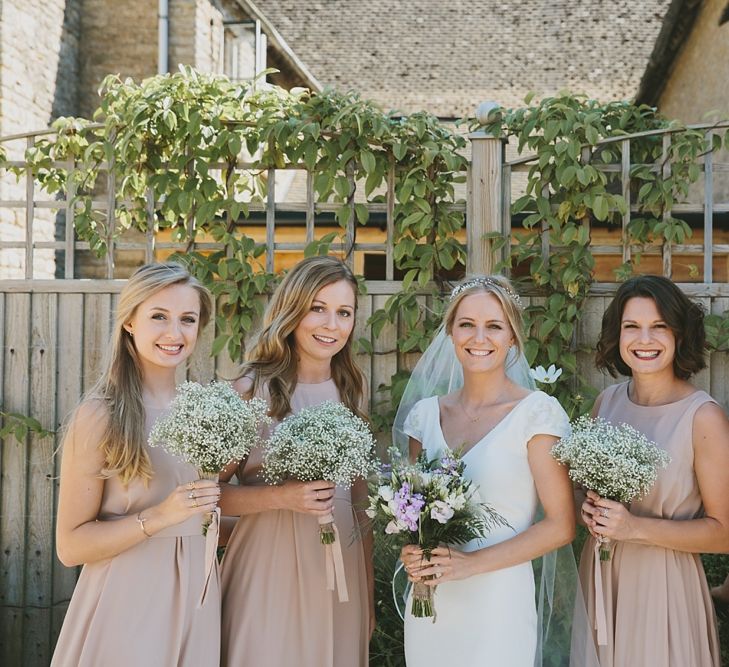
column 684, row 317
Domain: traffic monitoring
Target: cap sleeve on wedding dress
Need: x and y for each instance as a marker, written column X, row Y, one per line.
column 545, row 416
column 414, row 426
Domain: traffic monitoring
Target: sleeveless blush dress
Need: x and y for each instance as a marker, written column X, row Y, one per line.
column 656, row 601
column 277, row 611
column 144, row 607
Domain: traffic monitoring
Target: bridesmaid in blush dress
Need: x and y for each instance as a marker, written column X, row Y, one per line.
column 650, row 602
column 132, row 515
column 277, row 610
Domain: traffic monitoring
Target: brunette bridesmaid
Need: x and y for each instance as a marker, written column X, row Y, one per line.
column 651, row 600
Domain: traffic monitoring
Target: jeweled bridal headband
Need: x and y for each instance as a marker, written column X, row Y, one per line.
column 484, row 281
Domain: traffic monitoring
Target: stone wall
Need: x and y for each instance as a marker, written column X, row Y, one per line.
column 696, row 90
column 39, row 44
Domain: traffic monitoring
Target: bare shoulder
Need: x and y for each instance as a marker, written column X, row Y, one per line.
column 85, row 433
column 90, row 420
column 244, row 386
column 710, row 422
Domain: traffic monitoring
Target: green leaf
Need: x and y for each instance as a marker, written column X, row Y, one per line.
column 368, row 161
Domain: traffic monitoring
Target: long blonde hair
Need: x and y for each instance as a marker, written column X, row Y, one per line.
column 120, row 384
column 272, row 360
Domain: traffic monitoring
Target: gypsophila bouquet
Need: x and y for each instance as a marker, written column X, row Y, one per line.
column 324, row 442
column 209, row 427
column 616, row 462
column 429, row 503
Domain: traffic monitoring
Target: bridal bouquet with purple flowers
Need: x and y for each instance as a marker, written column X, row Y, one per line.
column 429, row 503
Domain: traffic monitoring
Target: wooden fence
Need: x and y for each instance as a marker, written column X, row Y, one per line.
column 54, row 333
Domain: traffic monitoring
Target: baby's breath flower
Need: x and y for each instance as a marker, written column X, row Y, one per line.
column 616, row 462
column 211, row 426
column 326, row 442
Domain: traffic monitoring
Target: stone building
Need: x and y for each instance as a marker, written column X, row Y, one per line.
column 422, row 54
column 54, row 54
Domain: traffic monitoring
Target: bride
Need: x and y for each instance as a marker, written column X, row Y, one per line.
column 485, row 598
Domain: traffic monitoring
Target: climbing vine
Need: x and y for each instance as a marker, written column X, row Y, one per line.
column 180, row 140
column 569, row 188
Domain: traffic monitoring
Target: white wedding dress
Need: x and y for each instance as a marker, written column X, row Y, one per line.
column 489, row 619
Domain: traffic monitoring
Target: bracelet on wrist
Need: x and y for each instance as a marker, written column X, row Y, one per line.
column 140, row 521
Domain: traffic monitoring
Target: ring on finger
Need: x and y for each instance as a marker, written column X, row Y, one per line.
column 604, row 512
column 438, row 574
column 190, row 485
column 317, row 494
column 194, row 502
column 191, row 495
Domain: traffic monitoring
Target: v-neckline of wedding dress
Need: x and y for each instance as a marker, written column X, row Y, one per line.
column 485, row 435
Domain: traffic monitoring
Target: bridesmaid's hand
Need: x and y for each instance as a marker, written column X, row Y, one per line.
column 316, row 498
column 611, row 519
column 589, row 512
column 187, row 500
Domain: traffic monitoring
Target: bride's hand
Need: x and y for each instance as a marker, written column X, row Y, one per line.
column 446, row 564
column 411, row 556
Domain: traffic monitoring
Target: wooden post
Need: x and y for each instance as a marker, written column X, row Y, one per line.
column 485, row 205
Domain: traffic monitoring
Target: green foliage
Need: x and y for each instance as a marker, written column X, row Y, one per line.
column 717, row 332
column 180, row 140
column 20, row 425
column 568, row 188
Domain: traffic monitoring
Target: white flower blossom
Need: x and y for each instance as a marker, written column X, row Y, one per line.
column 392, row 528
column 441, row 511
column 211, row 426
column 386, row 493
column 616, row 462
column 548, row 376
column 456, row 501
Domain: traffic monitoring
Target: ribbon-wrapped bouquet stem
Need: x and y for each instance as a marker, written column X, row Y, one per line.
column 429, row 503
column 324, row 442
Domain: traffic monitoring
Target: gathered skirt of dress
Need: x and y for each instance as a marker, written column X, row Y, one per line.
column 142, row 608
column 277, row 611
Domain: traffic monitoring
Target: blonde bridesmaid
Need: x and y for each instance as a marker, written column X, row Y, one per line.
column 132, row 515
column 651, row 600
column 277, row 610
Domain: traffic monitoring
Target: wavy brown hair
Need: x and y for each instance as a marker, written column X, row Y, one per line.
column 684, row 317
column 120, row 384
column 272, row 360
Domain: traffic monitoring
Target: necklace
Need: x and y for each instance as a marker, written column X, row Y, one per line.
column 473, row 420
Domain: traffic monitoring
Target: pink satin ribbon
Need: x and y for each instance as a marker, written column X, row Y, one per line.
column 335, row 562
column 600, row 616
column 211, row 552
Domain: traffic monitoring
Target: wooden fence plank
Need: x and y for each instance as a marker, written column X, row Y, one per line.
column 13, row 489
column 361, row 330
column 719, row 361
column 69, row 385
column 97, row 313
column 39, row 529
column 201, row 365
column 384, row 363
